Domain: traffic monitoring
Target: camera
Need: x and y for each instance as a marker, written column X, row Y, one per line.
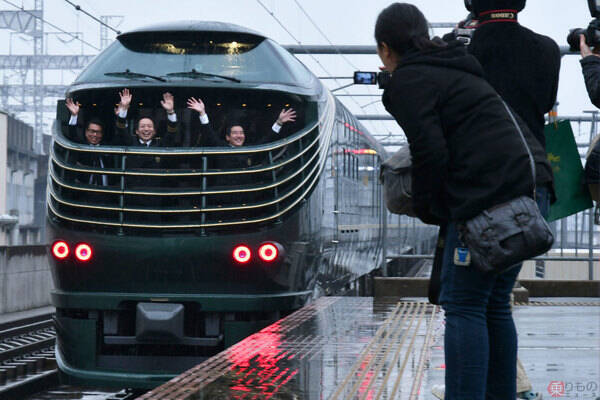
column 372, row 78
column 465, row 29
column 592, row 33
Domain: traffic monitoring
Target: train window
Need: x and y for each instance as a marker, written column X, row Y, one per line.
column 208, row 56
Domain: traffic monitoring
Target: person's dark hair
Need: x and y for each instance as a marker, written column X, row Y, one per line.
column 403, row 27
column 141, row 117
column 96, row 121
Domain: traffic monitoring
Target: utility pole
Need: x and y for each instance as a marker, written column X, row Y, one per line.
column 38, row 78
column 32, row 94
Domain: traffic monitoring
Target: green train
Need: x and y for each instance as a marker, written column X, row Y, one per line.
column 160, row 264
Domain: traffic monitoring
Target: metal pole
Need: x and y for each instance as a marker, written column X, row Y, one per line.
column 342, row 87
column 384, row 266
column 591, row 244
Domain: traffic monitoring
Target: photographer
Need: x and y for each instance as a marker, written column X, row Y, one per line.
column 590, row 65
column 467, row 156
column 523, row 67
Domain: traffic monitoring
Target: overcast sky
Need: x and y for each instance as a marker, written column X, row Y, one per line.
column 342, row 21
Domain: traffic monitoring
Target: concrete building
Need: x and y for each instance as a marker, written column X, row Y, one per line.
column 22, row 184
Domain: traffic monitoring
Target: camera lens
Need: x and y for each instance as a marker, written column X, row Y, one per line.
column 573, row 38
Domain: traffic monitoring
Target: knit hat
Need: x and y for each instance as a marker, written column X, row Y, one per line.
column 479, row 6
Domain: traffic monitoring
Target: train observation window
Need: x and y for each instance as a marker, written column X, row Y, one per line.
column 196, row 55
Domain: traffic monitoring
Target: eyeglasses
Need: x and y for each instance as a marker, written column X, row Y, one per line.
column 94, row 131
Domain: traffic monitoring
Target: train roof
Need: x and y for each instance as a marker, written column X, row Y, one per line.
column 192, row 26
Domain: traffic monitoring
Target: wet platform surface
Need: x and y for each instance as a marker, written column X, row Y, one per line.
column 365, row 348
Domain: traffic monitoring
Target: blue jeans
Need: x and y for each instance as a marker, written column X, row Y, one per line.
column 542, row 198
column 480, row 342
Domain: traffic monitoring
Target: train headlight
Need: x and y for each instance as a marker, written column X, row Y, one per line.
column 270, row 251
column 83, row 252
column 242, row 254
column 60, row 249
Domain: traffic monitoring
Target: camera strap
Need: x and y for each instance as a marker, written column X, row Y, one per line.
column 490, row 16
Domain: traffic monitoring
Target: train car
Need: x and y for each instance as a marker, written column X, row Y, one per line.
column 160, row 256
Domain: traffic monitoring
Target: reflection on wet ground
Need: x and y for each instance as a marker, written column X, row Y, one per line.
column 364, row 348
column 71, row 392
column 337, row 348
column 360, row 348
column 560, row 349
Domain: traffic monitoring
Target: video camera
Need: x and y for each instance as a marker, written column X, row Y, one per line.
column 592, row 33
column 372, row 78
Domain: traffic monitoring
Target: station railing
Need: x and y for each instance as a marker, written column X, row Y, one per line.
column 576, row 250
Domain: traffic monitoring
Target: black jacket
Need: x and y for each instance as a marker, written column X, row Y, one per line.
column 208, row 137
column 592, row 164
column 467, row 154
column 522, row 66
column 591, row 74
column 170, row 138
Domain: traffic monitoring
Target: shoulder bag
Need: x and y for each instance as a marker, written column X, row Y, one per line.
column 396, row 180
column 508, row 233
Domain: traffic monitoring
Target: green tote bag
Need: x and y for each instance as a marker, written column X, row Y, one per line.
column 572, row 195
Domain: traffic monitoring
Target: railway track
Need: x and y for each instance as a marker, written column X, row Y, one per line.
column 27, row 363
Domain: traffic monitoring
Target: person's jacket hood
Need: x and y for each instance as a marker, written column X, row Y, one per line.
column 453, row 55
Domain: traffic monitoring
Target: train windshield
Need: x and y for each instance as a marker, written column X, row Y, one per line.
column 208, row 56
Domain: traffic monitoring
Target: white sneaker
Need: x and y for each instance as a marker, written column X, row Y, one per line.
column 438, row 391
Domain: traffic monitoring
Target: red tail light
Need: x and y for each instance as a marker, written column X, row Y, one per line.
column 83, row 252
column 242, row 254
column 60, row 250
column 268, row 252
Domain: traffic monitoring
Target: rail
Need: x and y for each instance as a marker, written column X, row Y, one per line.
column 27, row 363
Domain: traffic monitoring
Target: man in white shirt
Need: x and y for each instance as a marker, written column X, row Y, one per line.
column 234, row 135
column 145, row 128
column 93, row 135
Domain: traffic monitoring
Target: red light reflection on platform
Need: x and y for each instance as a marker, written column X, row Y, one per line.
column 258, row 367
column 366, row 380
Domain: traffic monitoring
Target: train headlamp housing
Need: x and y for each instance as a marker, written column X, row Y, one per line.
column 270, row 252
column 83, row 252
column 242, row 254
column 60, row 249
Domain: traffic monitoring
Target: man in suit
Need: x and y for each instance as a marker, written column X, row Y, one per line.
column 234, row 137
column 234, row 132
column 93, row 134
column 145, row 127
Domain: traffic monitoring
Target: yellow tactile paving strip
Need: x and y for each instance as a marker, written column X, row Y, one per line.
column 337, row 348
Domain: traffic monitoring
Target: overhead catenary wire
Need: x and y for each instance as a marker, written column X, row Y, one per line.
column 78, row 8
column 313, row 22
column 272, row 14
column 51, row 24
